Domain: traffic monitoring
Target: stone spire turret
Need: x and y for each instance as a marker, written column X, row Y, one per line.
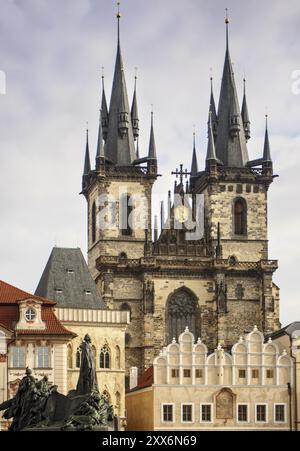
column 245, row 115
column 120, row 140
column 213, row 111
column 231, row 147
column 194, row 167
column 135, row 113
column 87, row 161
column 100, row 155
column 104, row 109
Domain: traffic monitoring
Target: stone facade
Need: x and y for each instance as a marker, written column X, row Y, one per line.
column 194, row 390
column 226, row 276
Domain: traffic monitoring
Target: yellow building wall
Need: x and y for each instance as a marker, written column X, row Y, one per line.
column 139, row 408
column 110, row 380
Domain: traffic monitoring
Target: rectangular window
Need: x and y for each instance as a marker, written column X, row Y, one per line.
column 199, row 374
column 242, row 374
column 168, row 413
column 186, row 373
column 280, row 413
column 206, row 415
column 18, row 357
column 187, row 413
column 243, row 413
column 255, row 374
column 261, row 413
column 43, row 357
column 270, row 374
column 175, row 373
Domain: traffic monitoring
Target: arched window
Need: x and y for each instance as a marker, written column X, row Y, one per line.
column 181, row 312
column 240, row 217
column 94, row 222
column 70, row 357
column 125, row 211
column 105, row 357
column 118, row 357
column 78, row 358
column 126, row 308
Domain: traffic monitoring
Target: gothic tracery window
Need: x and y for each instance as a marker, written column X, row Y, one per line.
column 181, row 313
column 78, row 358
column 240, row 217
column 105, row 357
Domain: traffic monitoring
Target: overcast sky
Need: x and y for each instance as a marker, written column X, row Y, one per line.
column 52, row 52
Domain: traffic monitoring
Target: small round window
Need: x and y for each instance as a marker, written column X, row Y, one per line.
column 30, row 314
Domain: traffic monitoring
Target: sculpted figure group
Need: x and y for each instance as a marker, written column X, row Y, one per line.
column 34, row 405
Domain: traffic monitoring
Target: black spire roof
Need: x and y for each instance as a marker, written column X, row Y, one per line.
column 231, row 147
column 120, row 140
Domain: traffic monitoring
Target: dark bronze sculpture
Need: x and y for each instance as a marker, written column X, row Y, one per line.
column 87, row 382
column 38, row 406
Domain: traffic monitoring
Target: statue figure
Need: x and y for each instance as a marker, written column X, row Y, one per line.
column 20, row 407
column 93, row 412
column 36, row 405
column 87, row 382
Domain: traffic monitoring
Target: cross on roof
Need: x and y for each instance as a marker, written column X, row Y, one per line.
column 181, row 173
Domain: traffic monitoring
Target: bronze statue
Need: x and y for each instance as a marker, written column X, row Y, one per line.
column 87, row 382
column 35, row 404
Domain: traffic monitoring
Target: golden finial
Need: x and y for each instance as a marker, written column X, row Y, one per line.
column 102, row 72
column 136, row 72
column 118, row 13
column 227, row 21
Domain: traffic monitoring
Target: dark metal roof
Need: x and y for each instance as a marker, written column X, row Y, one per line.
column 194, row 167
column 67, row 280
column 119, row 149
column 232, row 152
column 152, row 146
column 287, row 330
column 267, row 151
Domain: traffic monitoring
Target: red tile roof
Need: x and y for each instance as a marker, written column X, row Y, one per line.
column 10, row 294
column 9, row 312
column 145, row 380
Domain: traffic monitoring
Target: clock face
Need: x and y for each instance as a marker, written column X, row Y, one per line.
column 181, row 214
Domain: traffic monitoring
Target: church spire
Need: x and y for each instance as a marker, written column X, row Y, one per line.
column 120, row 140
column 152, row 157
column 267, row 152
column 135, row 113
column 194, row 168
column 87, row 162
column 231, row 147
column 245, row 115
column 211, row 151
column 152, row 147
column 104, row 109
column 100, row 156
column 213, row 110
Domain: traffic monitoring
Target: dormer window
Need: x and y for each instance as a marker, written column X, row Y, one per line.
column 58, row 291
column 88, row 292
column 30, row 314
column 70, row 271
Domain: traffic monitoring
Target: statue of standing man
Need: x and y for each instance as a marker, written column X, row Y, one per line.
column 87, row 382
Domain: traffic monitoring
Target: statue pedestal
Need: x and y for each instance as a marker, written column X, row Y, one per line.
column 57, row 428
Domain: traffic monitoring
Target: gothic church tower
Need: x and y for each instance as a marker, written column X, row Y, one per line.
column 219, row 285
